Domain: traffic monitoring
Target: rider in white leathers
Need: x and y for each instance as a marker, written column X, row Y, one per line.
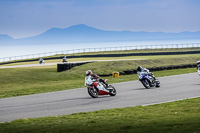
column 198, row 67
column 41, row 61
column 65, row 59
column 90, row 77
column 140, row 70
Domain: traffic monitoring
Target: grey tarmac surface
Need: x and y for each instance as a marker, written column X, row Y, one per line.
column 129, row 94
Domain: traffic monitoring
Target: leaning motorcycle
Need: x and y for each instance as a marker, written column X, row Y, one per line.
column 198, row 67
column 148, row 81
column 96, row 88
column 198, row 71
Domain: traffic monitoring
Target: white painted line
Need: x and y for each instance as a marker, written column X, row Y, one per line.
column 169, row 101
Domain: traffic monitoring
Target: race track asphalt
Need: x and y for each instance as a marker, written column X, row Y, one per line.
column 129, row 94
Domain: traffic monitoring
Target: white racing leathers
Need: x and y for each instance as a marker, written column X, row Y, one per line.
column 143, row 70
column 88, row 80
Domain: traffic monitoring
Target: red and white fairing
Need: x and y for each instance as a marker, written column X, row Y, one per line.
column 89, row 80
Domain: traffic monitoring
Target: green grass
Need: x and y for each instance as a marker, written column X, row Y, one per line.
column 193, row 57
column 113, row 52
column 109, row 67
column 33, row 80
column 175, row 117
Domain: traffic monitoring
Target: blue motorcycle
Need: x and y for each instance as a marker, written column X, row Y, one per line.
column 148, row 80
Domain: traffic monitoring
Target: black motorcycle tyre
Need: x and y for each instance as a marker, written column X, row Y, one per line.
column 113, row 92
column 146, row 85
column 92, row 93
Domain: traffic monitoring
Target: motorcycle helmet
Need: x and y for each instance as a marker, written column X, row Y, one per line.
column 88, row 72
column 139, row 68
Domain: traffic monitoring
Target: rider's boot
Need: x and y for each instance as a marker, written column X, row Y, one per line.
column 106, row 85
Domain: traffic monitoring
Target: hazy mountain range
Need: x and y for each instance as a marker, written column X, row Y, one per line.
column 83, row 33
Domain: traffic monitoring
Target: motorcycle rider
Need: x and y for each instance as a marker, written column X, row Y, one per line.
column 140, row 69
column 198, row 65
column 95, row 76
column 41, row 61
column 65, row 59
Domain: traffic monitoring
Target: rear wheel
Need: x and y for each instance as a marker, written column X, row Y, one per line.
column 93, row 92
column 113, row 91
column 146, row 84
column 157, row 83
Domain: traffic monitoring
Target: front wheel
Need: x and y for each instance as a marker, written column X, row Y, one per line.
column 93, row 92
column 146, row 84
column 113, row 91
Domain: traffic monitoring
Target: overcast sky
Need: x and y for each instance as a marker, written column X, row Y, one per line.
column 25, row 18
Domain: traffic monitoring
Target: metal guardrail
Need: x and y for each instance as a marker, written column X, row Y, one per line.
column 153, row 69
column 118, row 48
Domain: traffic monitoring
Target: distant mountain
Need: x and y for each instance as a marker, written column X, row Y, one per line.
column 84, row 33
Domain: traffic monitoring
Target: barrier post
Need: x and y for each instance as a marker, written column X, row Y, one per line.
column 115, row 74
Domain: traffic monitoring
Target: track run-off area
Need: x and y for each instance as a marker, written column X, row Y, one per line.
column 129, row 94
column 51, row 64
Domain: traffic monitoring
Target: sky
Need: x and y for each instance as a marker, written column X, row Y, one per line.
column 26, row 18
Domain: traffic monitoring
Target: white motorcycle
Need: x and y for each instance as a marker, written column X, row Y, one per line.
column 96, row 88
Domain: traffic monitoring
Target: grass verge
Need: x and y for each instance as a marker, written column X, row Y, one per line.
column 18, row 82
column 32, row 80
column 110, row 58
column 175, row 117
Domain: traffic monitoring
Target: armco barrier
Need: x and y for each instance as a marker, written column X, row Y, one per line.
column 116, row 48
column 107, row 55
column 128, row 72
